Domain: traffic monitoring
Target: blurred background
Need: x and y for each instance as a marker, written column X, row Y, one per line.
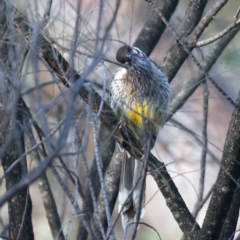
column 174, row 146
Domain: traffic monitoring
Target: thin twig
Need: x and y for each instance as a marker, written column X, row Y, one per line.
column 176, row 55
column 154, row 28
column 55, row 173
column 94, row 199
column 196, row 137
column 224, row 188
column 82, row 233
column 200, row 205
column 72, row 199
column 76, row 182
column 46, row 16
column 217, row 36
column 237, row 14
column 43, row 183
column 101, row 177
column 108, row 118
column 142, row 223
column 205, row 141
column 185, row 47
column 188, row 88
column 209, row 16
column 43, row 138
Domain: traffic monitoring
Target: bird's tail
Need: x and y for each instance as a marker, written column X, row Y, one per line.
column 131, row 178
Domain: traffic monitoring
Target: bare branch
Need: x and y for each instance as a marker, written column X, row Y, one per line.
column 20, row 207
column 188, row 88
column 176, row 54
column 123, row 136
column 205, row 140
column 79, row 85
column 188, row 51
column 106, row 146
column 231, row 220
column 195, row 137
column 141, row 223
column 112, row 178
column 98, row 230
column 11, row 119
column 225, row 186
column 46, row 16
column 236, row 17
column 72, row 200
column 154, row 27
column 209, row 16
column 218, row 36
column 198, row 207
column 44, row 186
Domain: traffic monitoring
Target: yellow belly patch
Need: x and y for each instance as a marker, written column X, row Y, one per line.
column 138, row 111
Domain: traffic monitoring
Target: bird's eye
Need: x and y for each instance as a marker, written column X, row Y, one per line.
column 140, row 55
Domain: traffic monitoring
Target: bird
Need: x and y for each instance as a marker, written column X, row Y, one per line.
column 139, row 97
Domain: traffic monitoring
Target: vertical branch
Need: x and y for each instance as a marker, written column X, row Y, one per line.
column 230, row 223
column 189, row 88
column 204, row 152
column 98, row 231
column 205, row 139
column 112, row 178
column 225, row 186
column 176, row 54
column 71, row 198
column 46, row 16
column 154, row 27
column 101, row 176
column 44, row 186
column 20, row 206
column 12, row 139
column 106, row 147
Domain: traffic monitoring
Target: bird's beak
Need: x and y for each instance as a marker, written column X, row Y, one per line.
column 128, row 56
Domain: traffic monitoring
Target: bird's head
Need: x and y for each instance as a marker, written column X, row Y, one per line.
column 136, row 59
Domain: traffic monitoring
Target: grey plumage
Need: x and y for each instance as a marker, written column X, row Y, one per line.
column 139, row 95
